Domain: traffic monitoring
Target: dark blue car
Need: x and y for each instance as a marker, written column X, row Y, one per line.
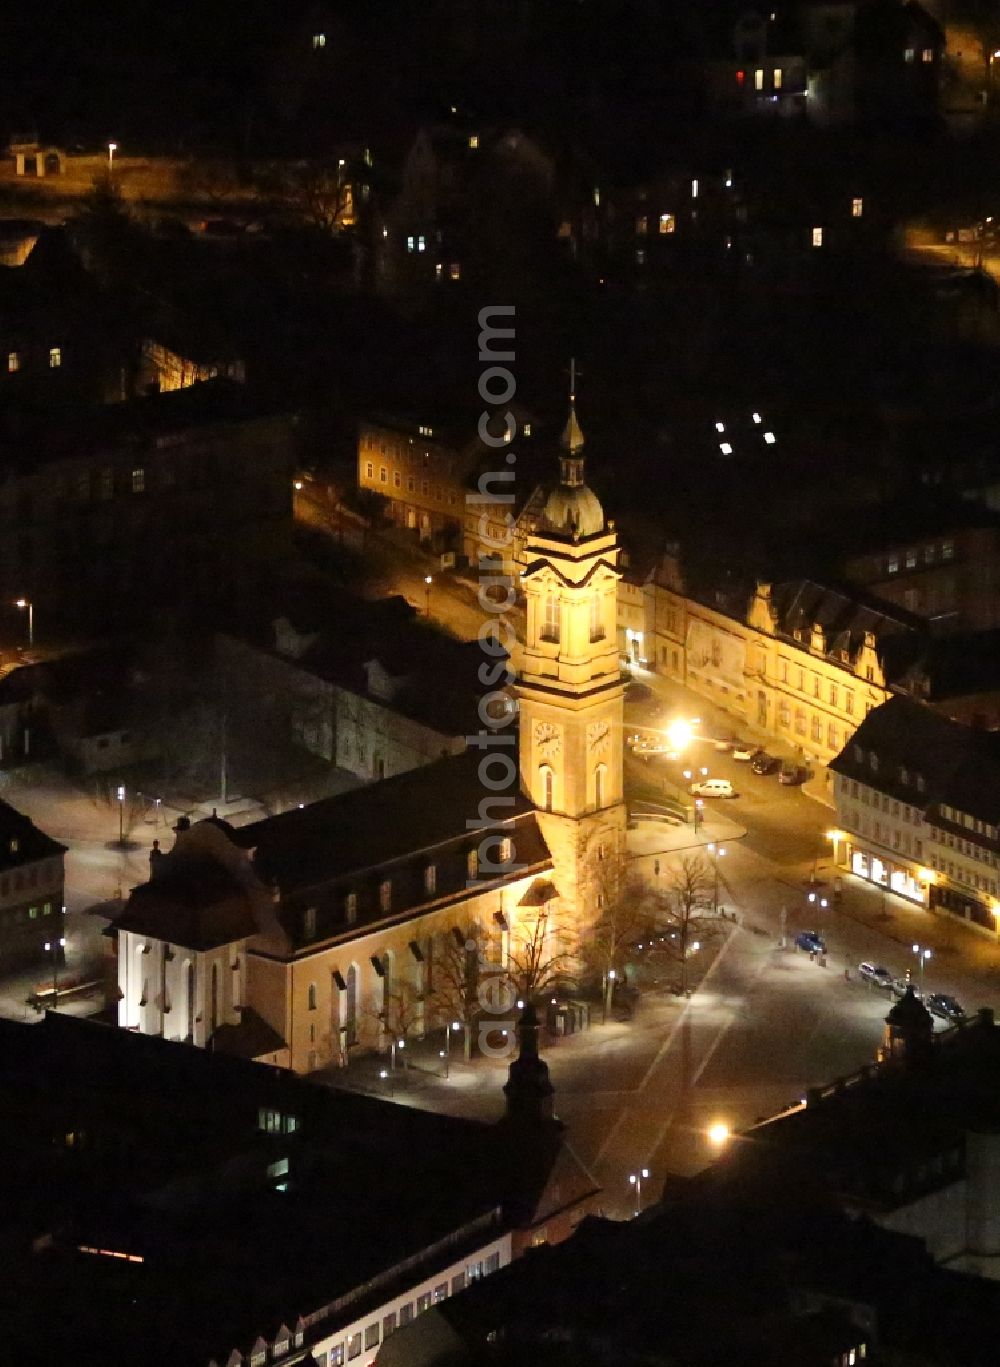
column 811, row 941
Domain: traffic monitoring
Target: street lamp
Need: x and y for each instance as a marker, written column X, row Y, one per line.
column 699, row 813
column 112, row 149
column 923, row 954
column 120, row 794
column 446, row 1051
column 636, row 1179
column 27, row 603
column 53, row 947
column 609, row 990
column 718, row 852
column 719, row 1134
column 428, row 581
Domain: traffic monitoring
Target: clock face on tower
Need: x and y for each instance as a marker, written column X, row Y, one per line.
column 547, row 738
column 599, row 737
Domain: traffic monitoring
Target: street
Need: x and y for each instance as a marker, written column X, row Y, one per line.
column 766, row 1022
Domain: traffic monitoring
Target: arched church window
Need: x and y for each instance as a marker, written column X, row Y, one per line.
column 551, row 622
column 600, row 784
column 596, row 618
column 547, row 786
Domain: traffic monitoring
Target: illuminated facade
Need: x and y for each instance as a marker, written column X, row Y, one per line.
column 918, row 812
column 571, row 691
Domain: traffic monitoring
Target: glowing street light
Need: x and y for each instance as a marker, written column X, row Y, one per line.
column 428, row 581
column 719, row 1134
column 680, row 733
column 53, row 947
column 112, row 149
column 636, row 1180
column 923, row 954
column 120, row 795
column 27, row 603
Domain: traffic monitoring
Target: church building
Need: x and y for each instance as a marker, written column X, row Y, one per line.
column 370, row 916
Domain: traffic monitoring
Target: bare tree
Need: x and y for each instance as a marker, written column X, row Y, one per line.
column 626, row 921
column 683, row 911
column 317, row 193
column 542, row 953
column 455, row 979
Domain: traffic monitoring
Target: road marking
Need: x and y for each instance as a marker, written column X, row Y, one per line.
column 666, row 1045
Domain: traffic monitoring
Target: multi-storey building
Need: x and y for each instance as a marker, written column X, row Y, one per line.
column 427, row 471
column 947, row 572
column 918, row 809
column 804, row 664
column 31, row 893
column 175, row 501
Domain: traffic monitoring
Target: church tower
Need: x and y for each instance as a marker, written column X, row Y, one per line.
column 571, row 691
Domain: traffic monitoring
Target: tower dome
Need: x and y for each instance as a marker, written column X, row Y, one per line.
column 571, row 508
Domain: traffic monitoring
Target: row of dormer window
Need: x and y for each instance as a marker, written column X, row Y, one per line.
column 915, row 556
column 385, row 887
column 906, row 776
column 971, row 823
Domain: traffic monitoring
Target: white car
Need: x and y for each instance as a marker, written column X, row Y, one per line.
column 712, row 787
column 743, row 752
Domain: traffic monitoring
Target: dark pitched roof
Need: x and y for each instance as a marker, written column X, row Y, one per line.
column 845, row 614
column 252, row 1038
column 32, row 844
column 959, row 765
column 192, row 901
column 378, row 824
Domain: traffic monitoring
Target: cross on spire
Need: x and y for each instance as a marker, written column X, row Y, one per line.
column 573, row 372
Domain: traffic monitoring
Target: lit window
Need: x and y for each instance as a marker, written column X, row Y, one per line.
column 694, row 189
column 857, row 206
column 909, row 54
column 817, row 237
column 741, row 78
column 409, row 244
column 597, row 197
column 725, row 448
column 455, row 271
column 947, row 550
column 596, row 621
column 421, row 243
column 892, row 565
column 928, row 54
column 319, row 40
column 385, row 894
column 472, row 863
column 473, row 141
column 758, row 79
column 911, row 559
column 138, row 481
column 527, row 429
column 438, row 271
column 13, row 361
column 506, row 850
column 668, row 223
column 769, row 438
column 777, row 78
column 641, row 225
column 55, row 357
column 351, row 907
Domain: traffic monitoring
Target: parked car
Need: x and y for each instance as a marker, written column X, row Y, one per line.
column 811, row 941
column 791, row 773
column 764, row 764
column 875, row 974
column 940, row 1004
column 712, row 787
column 742, row 751
column 899, row 986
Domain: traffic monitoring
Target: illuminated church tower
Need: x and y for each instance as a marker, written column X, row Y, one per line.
column 571, row 692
